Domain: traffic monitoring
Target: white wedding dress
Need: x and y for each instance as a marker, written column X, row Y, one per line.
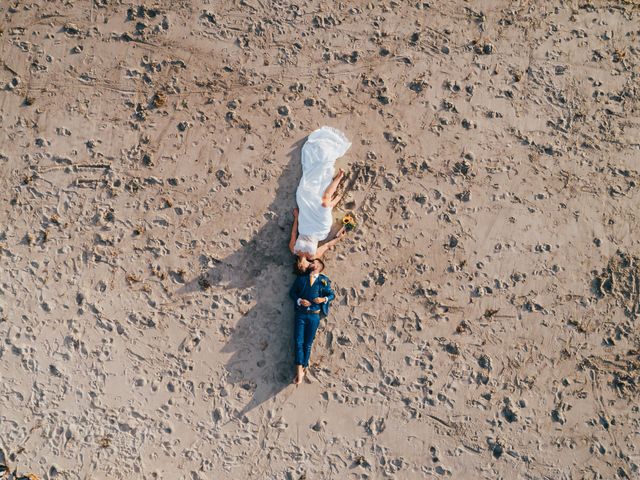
column 319, row 154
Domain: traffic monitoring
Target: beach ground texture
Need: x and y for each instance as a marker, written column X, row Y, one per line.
column 485, row 325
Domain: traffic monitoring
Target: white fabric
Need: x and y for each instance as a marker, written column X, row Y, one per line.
column 306, row 244
column 319, row 154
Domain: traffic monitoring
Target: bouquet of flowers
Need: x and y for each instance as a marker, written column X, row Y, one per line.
column 349, row 222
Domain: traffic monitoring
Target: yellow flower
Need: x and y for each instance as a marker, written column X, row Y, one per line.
column 349, row 222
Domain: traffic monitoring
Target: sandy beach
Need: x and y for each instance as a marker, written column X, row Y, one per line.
column 485, row 324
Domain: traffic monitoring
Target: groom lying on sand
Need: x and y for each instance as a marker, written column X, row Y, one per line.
column 312, row 294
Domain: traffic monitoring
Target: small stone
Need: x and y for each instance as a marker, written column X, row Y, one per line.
column 483, row 48
column 15, row 81
column 283, row 110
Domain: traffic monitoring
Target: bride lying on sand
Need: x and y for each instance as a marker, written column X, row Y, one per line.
column 316, row 194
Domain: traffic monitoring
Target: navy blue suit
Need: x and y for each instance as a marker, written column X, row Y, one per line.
column 307, row 319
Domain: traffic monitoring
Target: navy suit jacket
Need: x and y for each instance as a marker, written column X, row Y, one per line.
column 302, row 288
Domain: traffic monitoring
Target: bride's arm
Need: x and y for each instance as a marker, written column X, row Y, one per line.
column 294, row 230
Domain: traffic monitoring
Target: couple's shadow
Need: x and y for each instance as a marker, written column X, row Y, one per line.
column 258, row 274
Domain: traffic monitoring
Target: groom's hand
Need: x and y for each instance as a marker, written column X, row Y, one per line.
column 319, row 299
column 305, row 303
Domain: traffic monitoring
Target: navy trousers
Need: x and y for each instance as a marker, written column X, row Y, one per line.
column 304, row 332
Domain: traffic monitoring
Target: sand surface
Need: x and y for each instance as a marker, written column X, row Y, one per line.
column 485, row 325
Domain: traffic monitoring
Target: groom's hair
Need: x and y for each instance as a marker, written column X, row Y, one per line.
column 321, row 263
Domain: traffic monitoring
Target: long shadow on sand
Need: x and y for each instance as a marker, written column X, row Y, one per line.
column 261, row 341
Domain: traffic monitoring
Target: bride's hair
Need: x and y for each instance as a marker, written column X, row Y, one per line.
column 298, row 269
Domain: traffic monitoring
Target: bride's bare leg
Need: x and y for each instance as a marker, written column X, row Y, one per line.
column 335, row 200
column 331, row 190
column 331, row 243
